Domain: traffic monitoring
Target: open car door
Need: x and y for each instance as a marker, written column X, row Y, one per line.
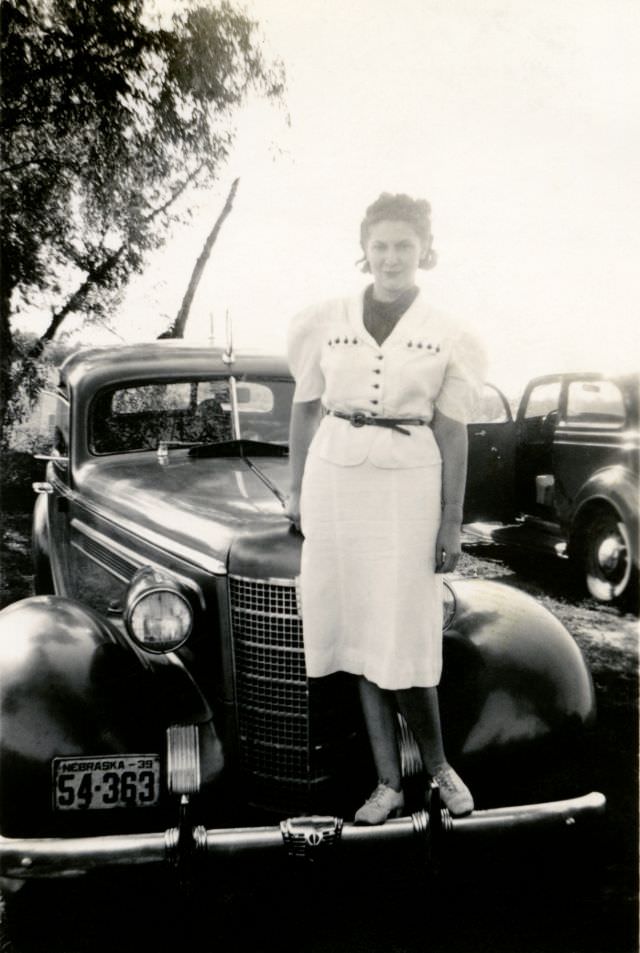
column 490, row 475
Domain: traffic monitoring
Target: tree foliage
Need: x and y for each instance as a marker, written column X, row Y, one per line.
column 108, row 119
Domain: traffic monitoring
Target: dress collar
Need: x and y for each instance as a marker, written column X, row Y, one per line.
column 407, row 324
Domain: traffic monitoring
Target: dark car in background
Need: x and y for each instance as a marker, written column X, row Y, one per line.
column 569, row 477
column 154, row 701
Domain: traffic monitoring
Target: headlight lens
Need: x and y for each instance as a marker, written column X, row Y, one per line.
column 158, row 616
column 448, row 605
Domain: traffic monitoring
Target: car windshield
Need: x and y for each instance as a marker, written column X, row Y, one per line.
column 189, row 412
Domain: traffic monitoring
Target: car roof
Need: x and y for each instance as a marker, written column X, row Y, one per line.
column 623, row 377
column 169, row 359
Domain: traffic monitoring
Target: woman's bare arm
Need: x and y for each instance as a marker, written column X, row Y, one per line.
column 451, row 437
column 305, row 419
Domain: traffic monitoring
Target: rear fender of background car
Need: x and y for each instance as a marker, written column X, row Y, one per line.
column 617, row 488
column 72, row 685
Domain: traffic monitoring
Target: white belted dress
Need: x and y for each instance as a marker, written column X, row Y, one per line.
column 371, row 601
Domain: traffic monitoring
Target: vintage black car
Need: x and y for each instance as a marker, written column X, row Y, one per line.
column 154, row 701
column 566, row 474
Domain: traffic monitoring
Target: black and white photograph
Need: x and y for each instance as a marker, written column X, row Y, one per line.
column 319, row 476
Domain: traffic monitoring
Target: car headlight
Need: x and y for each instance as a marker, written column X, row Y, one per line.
column 448, row 605
column 158, row 616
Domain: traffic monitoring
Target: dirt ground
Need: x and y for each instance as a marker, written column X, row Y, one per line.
column 504, row 907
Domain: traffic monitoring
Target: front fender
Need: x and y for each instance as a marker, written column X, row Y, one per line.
column 513, row 675
column 71, row 684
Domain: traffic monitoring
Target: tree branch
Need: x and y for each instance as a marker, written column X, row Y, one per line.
column 177, row 328
column 95, row 276
column 176, row 195
column 100, row 272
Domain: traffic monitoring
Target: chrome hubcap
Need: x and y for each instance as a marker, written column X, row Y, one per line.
column 610, row 554
column 609, row 568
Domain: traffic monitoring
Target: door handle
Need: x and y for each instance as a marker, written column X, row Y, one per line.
column 480, row 433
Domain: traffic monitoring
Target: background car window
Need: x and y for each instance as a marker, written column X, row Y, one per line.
column 491, row 407
column 543, row 399
column 595, row 403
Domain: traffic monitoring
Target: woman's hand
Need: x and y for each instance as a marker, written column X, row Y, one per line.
column 448, row 546
column 292, row 509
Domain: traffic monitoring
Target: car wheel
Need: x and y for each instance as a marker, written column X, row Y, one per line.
column 606, row 557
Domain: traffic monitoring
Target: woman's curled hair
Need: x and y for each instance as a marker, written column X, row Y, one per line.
column 401, row 208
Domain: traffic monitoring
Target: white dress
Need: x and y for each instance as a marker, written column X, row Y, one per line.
column 371, row 601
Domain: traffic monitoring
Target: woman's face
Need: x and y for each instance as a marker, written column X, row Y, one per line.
column 393, row 250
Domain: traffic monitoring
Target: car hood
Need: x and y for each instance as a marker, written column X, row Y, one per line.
column 197, row 505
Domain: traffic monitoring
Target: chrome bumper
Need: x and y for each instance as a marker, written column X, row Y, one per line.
column 307, row 837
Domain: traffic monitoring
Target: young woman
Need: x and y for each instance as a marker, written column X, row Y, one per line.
column 384, row 386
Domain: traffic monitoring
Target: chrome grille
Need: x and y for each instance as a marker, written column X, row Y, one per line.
column 272, row 692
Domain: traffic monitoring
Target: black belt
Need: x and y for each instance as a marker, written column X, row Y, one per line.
column 358, row 419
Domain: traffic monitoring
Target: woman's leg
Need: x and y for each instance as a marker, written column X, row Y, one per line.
column 378, row 706
column 422, row 714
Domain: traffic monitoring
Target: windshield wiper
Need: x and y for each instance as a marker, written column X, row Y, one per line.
column 240, row 448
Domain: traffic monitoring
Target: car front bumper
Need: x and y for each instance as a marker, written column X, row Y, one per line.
column 304, row 837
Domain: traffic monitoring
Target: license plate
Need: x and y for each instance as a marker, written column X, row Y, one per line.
column 101, row 783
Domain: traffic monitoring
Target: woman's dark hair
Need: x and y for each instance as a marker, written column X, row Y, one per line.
column 400, row 208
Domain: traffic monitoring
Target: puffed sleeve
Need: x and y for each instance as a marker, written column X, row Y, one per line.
column 463, row 379
column 304, row 342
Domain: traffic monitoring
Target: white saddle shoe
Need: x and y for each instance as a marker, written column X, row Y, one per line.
column 454, row 793
column 385, row 802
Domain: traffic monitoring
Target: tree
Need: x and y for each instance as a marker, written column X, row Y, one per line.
column 177, row 328
column 109, row 119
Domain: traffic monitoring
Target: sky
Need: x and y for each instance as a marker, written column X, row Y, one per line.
column 518, row 120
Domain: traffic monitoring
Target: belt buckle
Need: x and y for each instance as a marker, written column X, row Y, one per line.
column 358, row 420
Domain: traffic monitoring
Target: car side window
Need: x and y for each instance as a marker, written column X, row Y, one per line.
column 539, row 417
column 60, row 446
column 595, row 404
column 544, row 399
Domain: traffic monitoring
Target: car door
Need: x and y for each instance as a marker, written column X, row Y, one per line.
column 536, row 424
column 489, row 491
